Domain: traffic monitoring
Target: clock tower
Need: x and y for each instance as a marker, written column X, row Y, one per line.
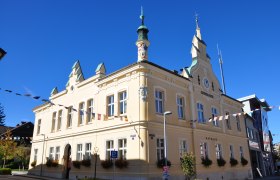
column 142, row 42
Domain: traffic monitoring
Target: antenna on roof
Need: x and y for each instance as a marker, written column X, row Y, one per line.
column 221, row 69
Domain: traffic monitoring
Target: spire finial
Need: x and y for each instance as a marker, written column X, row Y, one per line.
column 142, row 15
column 196, row 20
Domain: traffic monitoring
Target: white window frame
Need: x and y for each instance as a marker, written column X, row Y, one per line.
column 90, row 109
column 110, row 105
column 180, row 101
column 227, row 118
column 204, row 150
column 200, row 113
column 183, row 147
column 231, row 151
column 241, row 152
column 53, row 121
column 214, row 112
column 160, row 148
column 39, row 122
column 122, row 144
column 35, row 154
column 81, row 113
column 109, row 148
column 88, row 147
column 123, row 102
column 51, row 153
column 57, row 153
column 69, row 117
column 238, row 123
column 219, row 151
column 79, row 152
column 59, row 119
column 159, row 101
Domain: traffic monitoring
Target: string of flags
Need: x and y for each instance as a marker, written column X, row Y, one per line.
column 220, row 118
column 99, row 116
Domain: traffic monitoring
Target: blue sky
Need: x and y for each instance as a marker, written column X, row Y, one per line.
column 44, row 39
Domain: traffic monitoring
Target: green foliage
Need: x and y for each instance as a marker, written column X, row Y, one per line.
column 2, row 116
column 77, row 164
column 221, row 162
column 107, row 163
column 51, row 162
column 244, row 161
column 86, row 162
column 121, row 163
column 7, row 147
column 206, row 161
column 161, row 163
column 5, row 171
column 233, row 162
column 188, row 165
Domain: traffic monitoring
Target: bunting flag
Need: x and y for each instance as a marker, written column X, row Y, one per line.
column 99, row 116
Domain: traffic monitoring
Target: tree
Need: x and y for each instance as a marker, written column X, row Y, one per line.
column 22, row 154
column 7, row 147
column 2, row 116
column 188, row 165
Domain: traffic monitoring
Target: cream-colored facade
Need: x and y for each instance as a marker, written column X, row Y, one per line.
column 123, row 111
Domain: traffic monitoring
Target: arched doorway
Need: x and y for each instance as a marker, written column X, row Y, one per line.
column 67, row 161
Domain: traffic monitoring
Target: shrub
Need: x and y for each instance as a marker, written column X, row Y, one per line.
column 233, row 162
column 221, row 162
column 206, row 161
column 188, row 165
column 54, row 163
column 49, row 162
column 77, row 164
column 5, row 171
column 86, row 162
column 121, row 163
column 33, row 164
column 107, row 163
column 161, row 163
column 244, row 161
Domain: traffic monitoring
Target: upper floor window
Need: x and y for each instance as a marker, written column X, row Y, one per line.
column 88, row 151
column 241, row 152
column 180, row 107
column 200, row 113
column 57, row 153
column 81, row 113
column 90, row 107
column 122, row 148
column 59, row 119
column 79, row 152
column 39, row 126
column 160, row 149
column 238, row 123
column 228, row 120
column 213, row 88
column 109, row 148
column 110, row 105
column 219, row 151
column 53, row 121
column 159, row 101
column 214, row 116
column 183, row 147
column 123, row 102
column 203, row 149
column 70, row 116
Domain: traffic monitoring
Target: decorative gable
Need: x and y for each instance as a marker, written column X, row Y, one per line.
column 76, row 76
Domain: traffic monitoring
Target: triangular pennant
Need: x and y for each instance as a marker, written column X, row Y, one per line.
column 8, row 90
column 36, row 97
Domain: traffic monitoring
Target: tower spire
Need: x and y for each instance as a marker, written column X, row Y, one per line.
column 142, row 42
column 198, row 34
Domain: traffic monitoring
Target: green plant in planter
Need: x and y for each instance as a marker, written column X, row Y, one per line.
column 107, row 163
column 244, row 161
column 54, row 163
column 206, row 161
column 33, row 164
column 161, row 163
column 221, row 162
column 121, row 163
column 233, row 162
column 49, row 162
column 77, row 164
column 86, row 162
